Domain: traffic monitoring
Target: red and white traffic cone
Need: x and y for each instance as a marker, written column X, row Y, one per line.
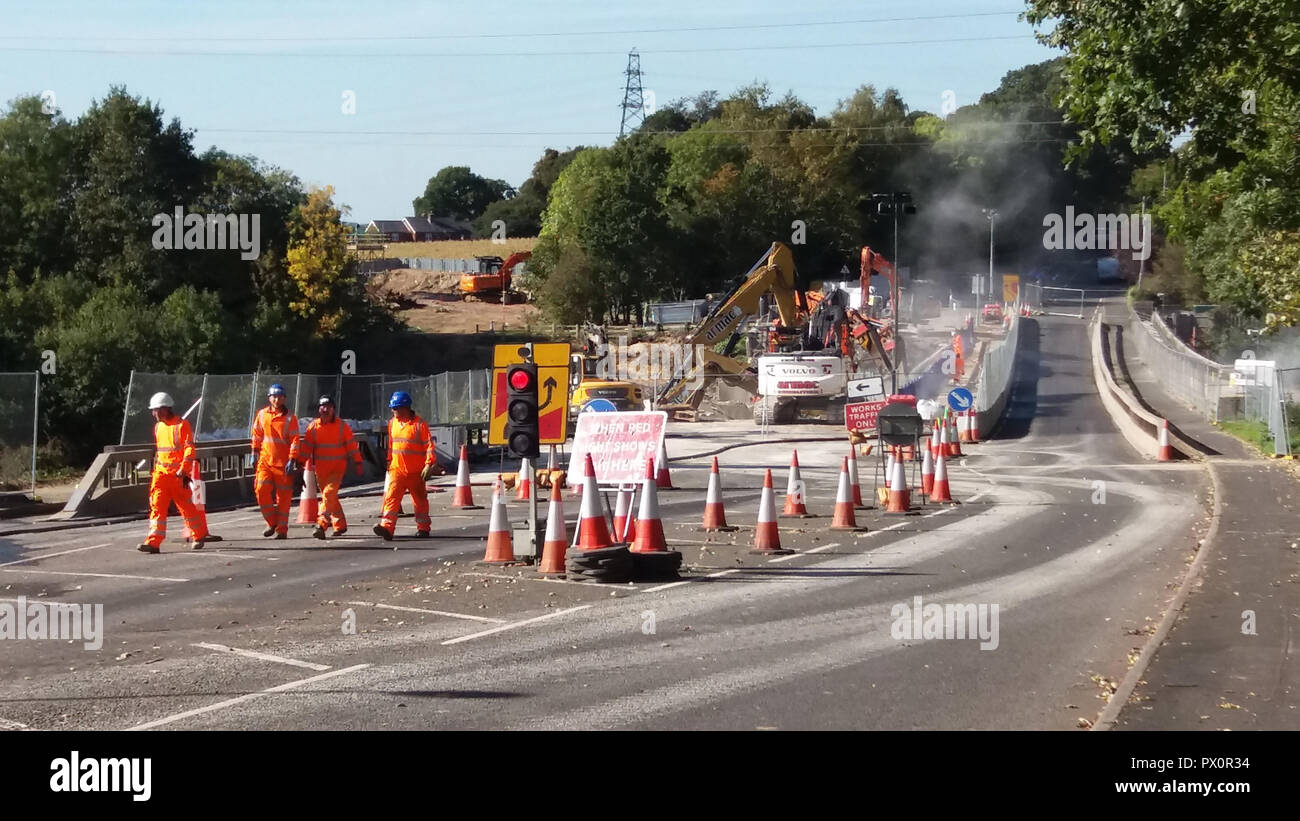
column 954, row 444
column 767, row 539
column 844, row 518
column 900, row 495
column 557, row 539
column 927, row 473
column 524, row 487
column 463, row 497
column 500, row 545
column 649, row 527
column 593, row 532
column 1165, row 452
column 936, row 441
column 974, row 423
column 794, row 487
column 963, row 427
column 855, row 482
column 941, row 492
column 663, row 480
column 889, row 471
column 623, row 528
column 715, row 515
column 308, row 503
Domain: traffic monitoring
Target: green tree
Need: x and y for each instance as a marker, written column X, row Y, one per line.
column 458, row 192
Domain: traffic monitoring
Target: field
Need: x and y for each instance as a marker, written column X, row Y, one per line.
column 460, row 248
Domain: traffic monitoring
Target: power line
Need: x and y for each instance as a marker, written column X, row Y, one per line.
column 395, row 133
column 529, row 35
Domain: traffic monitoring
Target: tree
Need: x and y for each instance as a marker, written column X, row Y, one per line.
column 522, row 214
column 319, row 265
column 458, row 192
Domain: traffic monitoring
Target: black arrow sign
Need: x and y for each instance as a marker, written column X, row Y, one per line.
column 549, row 384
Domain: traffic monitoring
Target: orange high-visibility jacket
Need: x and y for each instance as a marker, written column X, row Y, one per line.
column 329, row 445
column 175, row 442
column 275, row 435
column 410, row 446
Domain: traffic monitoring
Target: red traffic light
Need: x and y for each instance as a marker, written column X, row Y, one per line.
column 520, row 379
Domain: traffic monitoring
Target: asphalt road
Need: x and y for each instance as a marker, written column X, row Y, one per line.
column 1077, row 541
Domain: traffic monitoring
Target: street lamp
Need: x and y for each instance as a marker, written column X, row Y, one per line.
column 992, row 215
column 896, row 204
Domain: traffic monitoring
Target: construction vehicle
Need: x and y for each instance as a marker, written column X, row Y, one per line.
column 588, row 372
column 493, row 279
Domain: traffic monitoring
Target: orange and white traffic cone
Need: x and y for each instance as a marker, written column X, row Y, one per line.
column 794, row 487
column 593, row 532
column 649, row 527
column 883, row 491
column 900, row 495
column 663, row 480
column 715, row 515
column 974, row 422
column 935, row 443
column 767, row 539
column 524, row 486
column 624, row 521
column 855, row 482
column 941, row 492
column 557, row 539
column 500, row 545
column 198, row 496
column 844, row 518
column 308, row 502
column 927, row 473
column 1165, row 452
column 954, row 444
column 963, row 427
column 463, row 497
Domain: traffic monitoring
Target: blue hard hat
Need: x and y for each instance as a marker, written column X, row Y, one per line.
column 400, row 399
column 275, row 390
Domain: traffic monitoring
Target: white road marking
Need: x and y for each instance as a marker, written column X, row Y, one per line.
column 247, row 697
column 422, row 610
column 52, row 555
column 6, row 724
column 253, row 654
column 543, row 579
column 96, row 575
column 515, row 624
column 688, row 581
column 817, row 549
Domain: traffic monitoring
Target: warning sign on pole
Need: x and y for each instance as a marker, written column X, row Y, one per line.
column 552, row 360
column 861, row 416
column 619, row 444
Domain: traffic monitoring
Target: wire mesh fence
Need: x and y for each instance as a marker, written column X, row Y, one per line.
column 222, row 406
column 19, row 405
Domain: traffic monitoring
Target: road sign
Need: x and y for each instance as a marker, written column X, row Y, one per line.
column 960, row 399
column 1010, row 287
column 861, row 416
column 871, row 387
column 552, row 360
column 599, row 406
column 619, row 444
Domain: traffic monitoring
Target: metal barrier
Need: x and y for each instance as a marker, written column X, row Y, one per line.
column 997, row 371
column 20, row 395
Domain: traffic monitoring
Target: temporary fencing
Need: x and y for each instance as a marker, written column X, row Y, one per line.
column 19, row 409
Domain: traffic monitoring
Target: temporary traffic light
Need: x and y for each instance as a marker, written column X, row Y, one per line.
column 522, row 435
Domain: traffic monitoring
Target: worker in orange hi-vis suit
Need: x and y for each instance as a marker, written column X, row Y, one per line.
column 275, row 446
column 957, row 355
column 411, row 461
column 328, row 445
column 170, row 482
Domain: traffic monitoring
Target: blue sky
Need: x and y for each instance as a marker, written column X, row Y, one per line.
column 484, row 84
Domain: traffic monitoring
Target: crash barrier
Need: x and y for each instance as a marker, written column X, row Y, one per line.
column 230, row 401
column 1149, row 434
column 997, row 372
column 20, row 397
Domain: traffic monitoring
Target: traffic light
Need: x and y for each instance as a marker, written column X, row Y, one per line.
column 522, row 435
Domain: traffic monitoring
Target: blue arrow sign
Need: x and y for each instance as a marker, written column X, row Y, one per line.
column 960, row 399
column 599, row 406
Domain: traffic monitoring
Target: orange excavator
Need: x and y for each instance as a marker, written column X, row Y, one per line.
column 492, row 280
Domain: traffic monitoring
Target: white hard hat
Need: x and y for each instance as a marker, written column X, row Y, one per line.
column 161, row 400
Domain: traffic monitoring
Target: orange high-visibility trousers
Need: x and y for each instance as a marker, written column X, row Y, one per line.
column 274, row 492
column 164, row 489
column 330, row 508
column 399, row 484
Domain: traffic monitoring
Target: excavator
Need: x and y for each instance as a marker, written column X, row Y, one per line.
column 493, row 278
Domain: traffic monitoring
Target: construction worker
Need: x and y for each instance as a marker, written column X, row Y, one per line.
column 170, row 482
column 327, row 445
column 275, row 447
column 411, row 462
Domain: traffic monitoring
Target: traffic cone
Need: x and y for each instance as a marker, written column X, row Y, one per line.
column 935, row 441
column 198, row 496
column 941, row 492
column 500, row 545
column 593, row 532
column 308, row 503
column 927, row 473
column 715, row 515
column 954, row 444
column 1165, row 452
column 794, row 496
column 622, row 514
column 963, row 427
column 844, row 518
column 767, row 539
column 889, row 471
column 855, row 483
column 463, row 497
column 524, row 490
column 557, row 539
column 649, row 527
column 900, row 495
column 974, row 422
column 663, row 480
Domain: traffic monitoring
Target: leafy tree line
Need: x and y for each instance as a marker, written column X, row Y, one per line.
column 81, row 276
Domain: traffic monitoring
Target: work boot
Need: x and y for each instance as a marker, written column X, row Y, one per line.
column 147, row 548
column 270, row 531
column 197, row 544
column 422, row 534
column 282, row 535
column 383, row 533
column 318, row 533
column 339, row 531
column 212, row 537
